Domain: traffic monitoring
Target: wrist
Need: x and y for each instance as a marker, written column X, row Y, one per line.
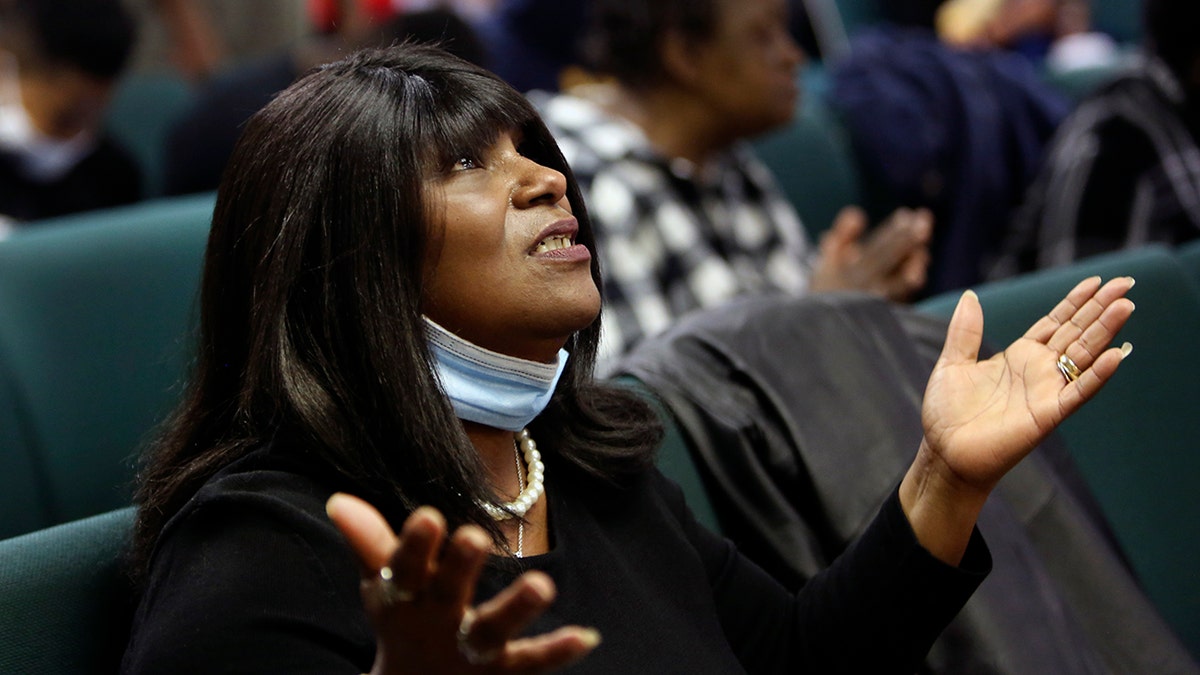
column 941, row 508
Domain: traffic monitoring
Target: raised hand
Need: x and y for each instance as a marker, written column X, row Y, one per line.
column 891, row 261
column 982, row 417
column 419, row 599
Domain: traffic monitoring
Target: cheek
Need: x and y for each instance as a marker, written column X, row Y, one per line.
column 469, row 255
column 475, row 232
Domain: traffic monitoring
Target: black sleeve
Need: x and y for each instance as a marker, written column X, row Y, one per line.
column 877, row 609
column 250, row 583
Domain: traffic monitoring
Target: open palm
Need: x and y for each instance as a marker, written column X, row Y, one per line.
column 982, row 417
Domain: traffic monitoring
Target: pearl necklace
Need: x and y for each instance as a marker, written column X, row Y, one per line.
column 531, row 492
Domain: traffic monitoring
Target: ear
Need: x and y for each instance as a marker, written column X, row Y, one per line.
column 679, row 56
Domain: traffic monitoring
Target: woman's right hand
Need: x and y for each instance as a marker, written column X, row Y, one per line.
column 423, row 616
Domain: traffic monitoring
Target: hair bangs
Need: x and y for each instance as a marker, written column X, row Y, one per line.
column 459, row 122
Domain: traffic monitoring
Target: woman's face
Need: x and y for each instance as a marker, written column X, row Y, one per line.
column 503, row 269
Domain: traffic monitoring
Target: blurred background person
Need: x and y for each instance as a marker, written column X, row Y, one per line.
column 1124, row 167
column 196, row 48
column 59, row 63
column 530, row 42
column 686, row 216
column 201, row 140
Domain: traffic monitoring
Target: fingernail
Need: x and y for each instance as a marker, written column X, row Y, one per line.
column 330, row 506
column 1132, row 281
column 542, row 586
column 1132, row 304
column 590, row 637
column 1126, row 349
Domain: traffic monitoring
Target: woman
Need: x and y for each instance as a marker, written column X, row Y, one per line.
column 399, row 283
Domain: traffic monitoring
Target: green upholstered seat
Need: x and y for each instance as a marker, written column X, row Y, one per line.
column 95, row 314
column 1119, row 18
column 25, row 505
column 1138, row 442
column 858, row 15
column 144, row 107
column 1189, row 256
column 65, row 601
column 675, row 459
column 814, row 164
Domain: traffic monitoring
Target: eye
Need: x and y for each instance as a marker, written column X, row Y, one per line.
column 465, row 163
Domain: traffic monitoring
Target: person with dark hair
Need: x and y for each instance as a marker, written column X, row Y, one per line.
column 1123, row 170
column 400, row 301
column 687, row 217
column 530, row 42
column 199, row 143
column 59, row 63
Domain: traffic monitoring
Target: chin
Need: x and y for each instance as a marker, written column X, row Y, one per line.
column 587, row 314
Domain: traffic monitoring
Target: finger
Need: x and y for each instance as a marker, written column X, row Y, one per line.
column 460, row 567
column 1097, row 337
column 891, row 243
column 503, row 617
column 965, row 333
column 365, row 529
column 1045, row 327
column 1088, row 313
column 415, row 560
column 848, row 227
column 1076, row 393
column 551, row 651
column 923, row 226
column 915, row 270
column 901, row 283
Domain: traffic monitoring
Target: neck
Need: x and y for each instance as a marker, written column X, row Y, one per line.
column 677, row 124
column 495, row 448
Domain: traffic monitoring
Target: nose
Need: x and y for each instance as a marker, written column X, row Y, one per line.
column 539, row 185
column 792, row 55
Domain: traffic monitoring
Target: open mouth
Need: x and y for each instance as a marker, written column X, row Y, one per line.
column 553, row 243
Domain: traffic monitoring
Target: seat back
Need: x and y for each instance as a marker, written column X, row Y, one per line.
column 675, row 459
column 814, row 165
column 65, row 601
column 1136, row 442
column 858, row 15
column 144, row 107
column 26, row 503
column 1189, row 257
column 1119, row 18
column 95, row 318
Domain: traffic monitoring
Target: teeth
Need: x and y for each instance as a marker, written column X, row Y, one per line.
column 553, row 243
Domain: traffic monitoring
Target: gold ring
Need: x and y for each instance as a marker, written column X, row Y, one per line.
column 1067, row 367
column 389, row 594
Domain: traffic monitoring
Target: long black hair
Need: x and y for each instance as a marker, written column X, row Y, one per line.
column 311, row 336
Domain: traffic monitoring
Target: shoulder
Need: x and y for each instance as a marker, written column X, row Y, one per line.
column 250, row 570
column 260, row 507
column 262, row 483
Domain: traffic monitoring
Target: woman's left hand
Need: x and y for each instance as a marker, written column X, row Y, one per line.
column 982, row 417
column 422, row 608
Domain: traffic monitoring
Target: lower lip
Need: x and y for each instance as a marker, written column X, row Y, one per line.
column 574, row 253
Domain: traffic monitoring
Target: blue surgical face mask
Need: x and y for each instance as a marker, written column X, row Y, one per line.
column 490, row 388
